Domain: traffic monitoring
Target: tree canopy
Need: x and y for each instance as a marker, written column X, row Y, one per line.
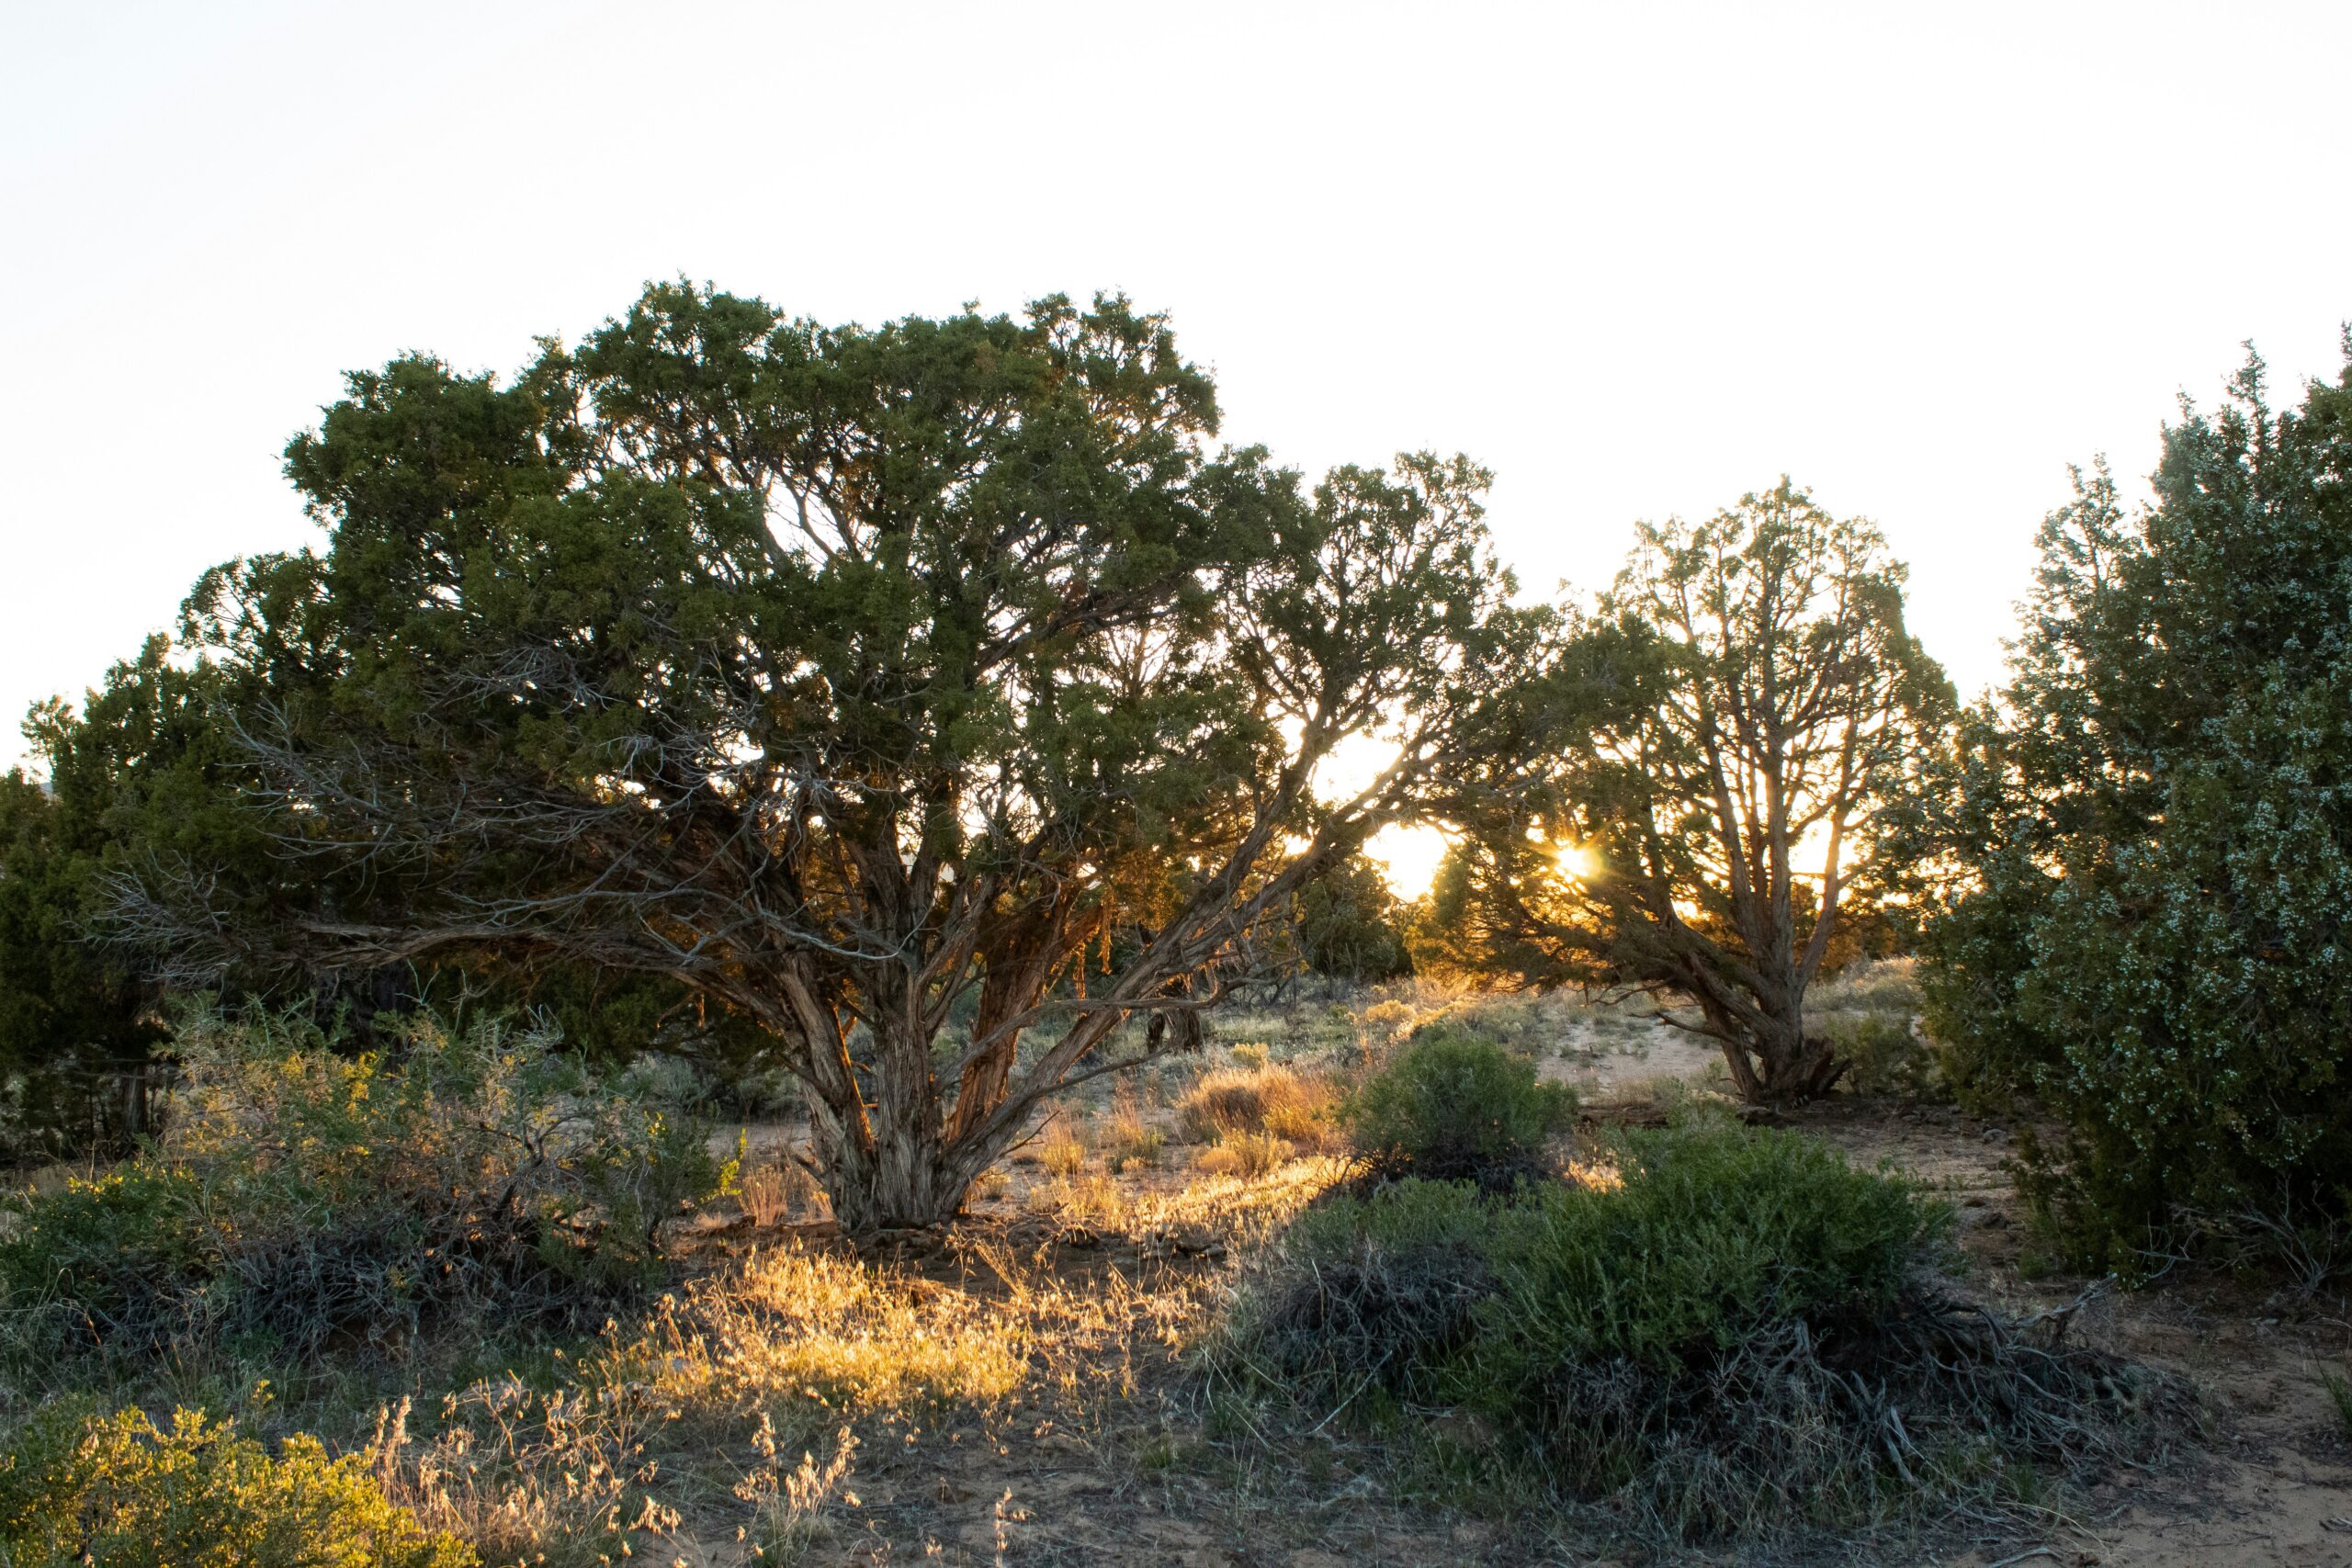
column 2147, row 841
column 1690, row 797
column 841, row 677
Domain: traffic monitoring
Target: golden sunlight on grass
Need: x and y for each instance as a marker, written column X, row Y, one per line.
column 751, row 1415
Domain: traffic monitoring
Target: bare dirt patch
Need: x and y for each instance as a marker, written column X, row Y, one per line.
column 2275, row 1490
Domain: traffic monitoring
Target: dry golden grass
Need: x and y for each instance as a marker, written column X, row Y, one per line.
column 1242, row 1154
column 1271, row 1100
column 1128, row 1139
column 1062, row 1153
column 773, row 1195
column 730, row 1422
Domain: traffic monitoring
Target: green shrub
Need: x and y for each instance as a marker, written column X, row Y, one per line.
column 109, row 1255
column 1694, row 1238
column 1455, row 1104
column 2149, row 851
column 1883, row 1055
column 308, row 1196
column 1866, row 1011
column 1722, row 1333
column 116, row 1491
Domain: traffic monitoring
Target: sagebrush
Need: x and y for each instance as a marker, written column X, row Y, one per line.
column 312, row 1198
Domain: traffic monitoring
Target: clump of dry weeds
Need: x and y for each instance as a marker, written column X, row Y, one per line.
column 1272, row 1099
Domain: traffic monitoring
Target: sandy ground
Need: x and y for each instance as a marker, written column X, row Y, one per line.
column 2275, row 1490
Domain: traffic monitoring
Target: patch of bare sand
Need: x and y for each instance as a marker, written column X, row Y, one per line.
column 1600, row 1059
column 2276, row 1490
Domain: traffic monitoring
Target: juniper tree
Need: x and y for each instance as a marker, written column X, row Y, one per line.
column 854, row 680
column 1689, row 798
column 2147, row 846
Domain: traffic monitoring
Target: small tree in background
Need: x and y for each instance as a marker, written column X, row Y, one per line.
column 1691, row 798
column 1351, row 924
column 2148, row 845
column 845, row 678
column 79, row 1026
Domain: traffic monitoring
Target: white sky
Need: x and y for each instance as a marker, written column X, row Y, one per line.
column 1635, row 258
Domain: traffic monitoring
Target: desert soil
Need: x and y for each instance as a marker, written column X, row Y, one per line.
column 2272, row 1488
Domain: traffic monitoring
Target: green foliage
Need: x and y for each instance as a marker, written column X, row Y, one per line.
column 152, row 772
column 1704, row 1233
column 1646, row 812
column 1867, row 1012
column 114, row 1247
column 2339, row 1396
column 832, row 676
column 1882, row 1053
column 309, row 1197
column 116, row 1491
column 1726, row 1336
column 1351, row 926
column 74, row 1020
column 2151, row 837
column 1454, row 1104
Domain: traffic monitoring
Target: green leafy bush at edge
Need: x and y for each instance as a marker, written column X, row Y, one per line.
column 306, row 1195
column 116, row 1491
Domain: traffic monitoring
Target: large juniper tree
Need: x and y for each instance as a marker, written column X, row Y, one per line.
column 851, row 679
column 1690, row 797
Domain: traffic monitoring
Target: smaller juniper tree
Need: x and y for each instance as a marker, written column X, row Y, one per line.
column 1691, row 798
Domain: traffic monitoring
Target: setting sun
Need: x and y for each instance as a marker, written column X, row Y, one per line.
column 1577, row 861
column 1409, row 855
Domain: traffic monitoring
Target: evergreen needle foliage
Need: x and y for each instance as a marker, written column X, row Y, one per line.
column 2150, row 843
column 1692, row 798
column 849, row 682
column 1725, row 1335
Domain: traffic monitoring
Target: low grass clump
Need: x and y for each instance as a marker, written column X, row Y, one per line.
column 116, row 1491
column 1868, row 1011
column 1128, row 1139
column 1267, row 1099
column 1719, row 1332
column 305, row 1199
column 2339, row 1395
column 1241, row 1154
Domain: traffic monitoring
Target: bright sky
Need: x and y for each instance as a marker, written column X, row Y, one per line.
column 1635, row 258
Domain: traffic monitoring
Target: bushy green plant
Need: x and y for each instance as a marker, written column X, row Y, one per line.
column 307, row 1195
column 110, row 1255
column 2150, row 841
column 117, row 1490
column 1713, row 1330
column 1351, row 926
column 1454, row 1104
column 1884, row 1053
column 1677, row 1250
